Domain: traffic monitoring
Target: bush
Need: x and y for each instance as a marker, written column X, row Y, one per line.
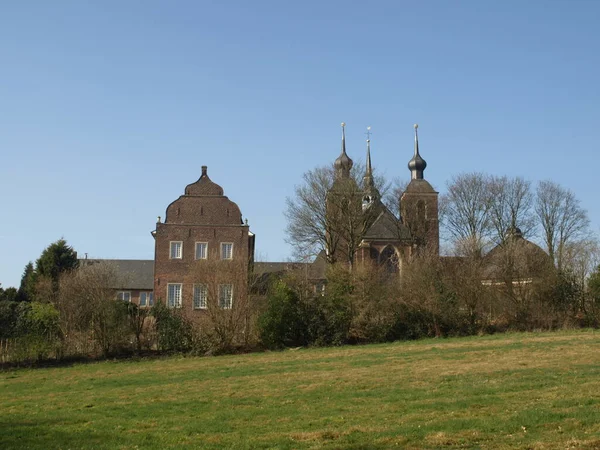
column 173, row 330
column 283, row 323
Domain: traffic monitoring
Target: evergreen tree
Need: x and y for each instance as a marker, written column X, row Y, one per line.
column 27, row 288
column 56, row 259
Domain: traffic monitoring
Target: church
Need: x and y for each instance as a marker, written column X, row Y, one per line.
column 204, row 249
column 378, row 235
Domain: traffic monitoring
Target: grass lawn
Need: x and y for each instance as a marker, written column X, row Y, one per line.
column 538, row 391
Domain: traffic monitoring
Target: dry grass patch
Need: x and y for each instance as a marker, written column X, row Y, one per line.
column 508, row 391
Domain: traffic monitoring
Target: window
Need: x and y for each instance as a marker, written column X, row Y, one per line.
column 174, row 295
column 201, row 250
column 176, row 247
column 200, row 296
column 225, row 296
column 226, row 250
column 146, row 299
column 124, row 296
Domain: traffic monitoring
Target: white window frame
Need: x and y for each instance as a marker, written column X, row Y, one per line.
column 225, row 303
column 205, row 250
column 124, row 296
column 198, row 303
column 175, row 303
column 149, row 299
column 177, row 255
column 230, row 253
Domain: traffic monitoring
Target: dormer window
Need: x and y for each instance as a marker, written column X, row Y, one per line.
column 367, row 201
column 176, row 250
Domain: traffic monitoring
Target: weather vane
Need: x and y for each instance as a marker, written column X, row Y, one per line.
column 368, row 133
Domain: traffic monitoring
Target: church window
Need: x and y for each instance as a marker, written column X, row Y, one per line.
column 389, row 259
column 225, row 296
column 200, row 296
column 373, row 254
column 146, row 299
column 201, row 250
column 174, row 295
column 124, row 296
column 226, row 250
column 176, row 250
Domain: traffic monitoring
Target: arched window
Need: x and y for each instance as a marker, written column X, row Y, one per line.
column 389, row 259
column 421, row 210
column 374, row 254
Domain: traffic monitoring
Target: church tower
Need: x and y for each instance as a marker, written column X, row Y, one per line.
column 343, row 211
column 419, row 205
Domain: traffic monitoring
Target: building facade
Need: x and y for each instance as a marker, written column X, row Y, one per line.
column 203, row 250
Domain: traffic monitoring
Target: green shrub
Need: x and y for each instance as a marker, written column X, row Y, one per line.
column 283, row 323
column 173, row 330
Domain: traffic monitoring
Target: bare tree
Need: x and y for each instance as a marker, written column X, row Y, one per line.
column 391, row 197
column 87, row 304
column 561, row 217
column 511, row 206
column 327, row 214
column 226, row 317
column 465, row 212
column 582, row 258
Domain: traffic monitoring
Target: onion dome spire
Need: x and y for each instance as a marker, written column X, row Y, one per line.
column 343, row 163
column 417, row 164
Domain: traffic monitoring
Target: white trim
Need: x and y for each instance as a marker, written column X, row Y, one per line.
column 200, row 285
column 196, row 250
column 229, row 303
column 128, row 300
column 180, row 256
column 149, row 299
column 231, row 253
column 176, row 304
column 518, row 282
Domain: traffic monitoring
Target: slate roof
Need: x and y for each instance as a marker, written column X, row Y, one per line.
column 315, row 270
column 135, row 274
column 387, row 227
column 419, row 186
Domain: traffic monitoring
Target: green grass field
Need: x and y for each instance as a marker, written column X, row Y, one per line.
column 533, row 391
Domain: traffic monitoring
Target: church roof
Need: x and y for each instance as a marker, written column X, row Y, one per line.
column 386, row 226
column 419, row 186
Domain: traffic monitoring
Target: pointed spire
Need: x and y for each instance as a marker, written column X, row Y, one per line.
column 368, row 178
column 371, row 193
column 344, row 137
column 417, row 164
column 343, row 164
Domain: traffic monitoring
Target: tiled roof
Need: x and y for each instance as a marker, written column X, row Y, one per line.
column 133, row 273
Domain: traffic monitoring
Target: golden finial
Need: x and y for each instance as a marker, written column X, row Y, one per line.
column 416, row 125
column 343, row 124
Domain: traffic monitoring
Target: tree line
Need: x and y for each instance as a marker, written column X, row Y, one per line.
column 488, row 280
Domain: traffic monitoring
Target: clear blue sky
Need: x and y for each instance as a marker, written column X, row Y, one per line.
column 109, row 108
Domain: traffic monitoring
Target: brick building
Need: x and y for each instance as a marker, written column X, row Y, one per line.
column 203, row 250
